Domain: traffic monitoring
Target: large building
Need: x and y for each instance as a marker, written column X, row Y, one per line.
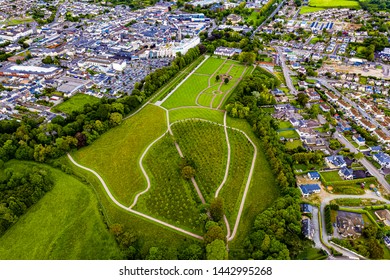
column 27, row 71
column 229, row 52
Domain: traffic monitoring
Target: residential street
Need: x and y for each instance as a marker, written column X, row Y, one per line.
column 368, row 165
column 286, row 72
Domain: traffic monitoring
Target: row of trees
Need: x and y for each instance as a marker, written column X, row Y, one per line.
column 19, row 190
column 276, row 233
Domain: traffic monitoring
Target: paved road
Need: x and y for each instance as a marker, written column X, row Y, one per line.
column 129, row 209
column 212, row 28
column 286, row 72
column 316, row 237
column 368, row 165
column 270, row 16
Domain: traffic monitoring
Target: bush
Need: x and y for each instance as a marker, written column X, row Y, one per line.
column 328, row 219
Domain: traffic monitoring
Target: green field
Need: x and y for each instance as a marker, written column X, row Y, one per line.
column 241, row 159
column 171, row 198
column 334, row 3
column 286, row 124
column 294, row 144
column 76, row 103
column 115, row 154
column 17, row 21
column 200, row 113
column 331, row 176
column 203, row 144
column 307, row 9
column 202, row 86
column 291, row 133
column 64, row 224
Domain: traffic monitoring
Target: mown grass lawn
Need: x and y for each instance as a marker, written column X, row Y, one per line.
column 262, row 192
column 334, row 3
column 171, row 197
column 331, row 176
column 307, row 9
column 115, row 154
column 210, row 66
column 186, row 94
column 76, row 103
column 285, row 124
column 288, row 134
column 201, row 113
column 294, row 144
column 64, row 224
column 311, row 253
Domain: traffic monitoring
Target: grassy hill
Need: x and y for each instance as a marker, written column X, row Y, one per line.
column 64, row 224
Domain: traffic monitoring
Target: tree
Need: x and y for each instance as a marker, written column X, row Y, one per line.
column 217, row 209
column 216, row 250
column 302, row 99
column 217, row 78
column 226, row 81
column 188, row 172
column 247, row 57
column 115, row 119
column 359, row 156
column 192, row 252
column 214, row 233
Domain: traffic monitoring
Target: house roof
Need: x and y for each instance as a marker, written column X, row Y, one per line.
column 309, row 188
column 346, row 171
column 336, row 160
column 306, row 208
column 382, row 157
column 314, row 174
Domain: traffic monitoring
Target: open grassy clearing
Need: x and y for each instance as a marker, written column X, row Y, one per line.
column 186, row 94
column 17, row 21
column 331, row 176
column 201, row 113
column 76, row 103
column 283, row 125
column 64, row 224
column 334, row 3
column 294, row 144
column 262, row 192
column 307, row 9
column 203, row 144
column 210, row 66
column 115, row 154
column 288, row 134
column 240, row 162
column 205, row 99
column 149, row 233
column 171, row 198
column 164, row 91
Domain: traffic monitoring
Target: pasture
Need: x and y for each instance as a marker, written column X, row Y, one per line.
column 116, row 153
column 334, row 3
column 64, row 224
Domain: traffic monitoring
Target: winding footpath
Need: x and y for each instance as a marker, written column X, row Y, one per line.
column 129, row 209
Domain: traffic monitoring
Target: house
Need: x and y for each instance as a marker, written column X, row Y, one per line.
column 343, row 125
column 384, row 216
column 331, row 96
column 308, row 189
column 382, row 136
column 337, row 161
column 234, row 19
column 306, row 208
column 386, row 239
column 359, row 139
column 375, row 148
column 306, row 132
column 313, row 175
column 382, row 158
column 367, row 125
column 307, row 229
column 325, row 107
column 349, row 224
column 229, row 52
column 344, row 105
column 346, row 173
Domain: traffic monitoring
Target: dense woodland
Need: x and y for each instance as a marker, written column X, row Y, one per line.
column 19, row 190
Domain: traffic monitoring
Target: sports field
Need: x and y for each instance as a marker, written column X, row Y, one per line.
column 76, row 103
column 64, row 224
